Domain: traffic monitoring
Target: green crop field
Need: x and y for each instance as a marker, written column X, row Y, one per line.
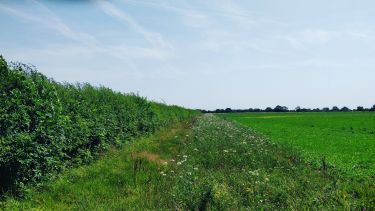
column 344, row 140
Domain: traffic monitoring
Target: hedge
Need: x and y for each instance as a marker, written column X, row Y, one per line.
column 46, row 126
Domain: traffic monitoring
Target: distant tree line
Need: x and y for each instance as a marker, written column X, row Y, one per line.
column 286, row 109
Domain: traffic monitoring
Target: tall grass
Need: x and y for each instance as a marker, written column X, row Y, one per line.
column 46, row 126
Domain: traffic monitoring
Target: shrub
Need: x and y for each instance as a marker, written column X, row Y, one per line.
column 47, row 126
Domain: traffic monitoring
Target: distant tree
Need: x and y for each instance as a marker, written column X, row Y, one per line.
column 316, row 110
column 360, row 108
column 228, row 110
column 268, row 109
column 373, row 108
column 279, row 108
column 325, row 109
column 345, row 109
column 250, row 110
column 335, row 108
column 257, row 110
column 298, row 109
column 306, row 110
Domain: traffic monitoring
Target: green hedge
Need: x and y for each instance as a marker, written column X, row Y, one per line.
column 47, row 126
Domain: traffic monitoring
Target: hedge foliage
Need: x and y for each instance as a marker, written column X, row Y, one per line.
column 47, row 126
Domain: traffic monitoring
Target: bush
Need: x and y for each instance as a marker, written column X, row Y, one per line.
column 47, row 126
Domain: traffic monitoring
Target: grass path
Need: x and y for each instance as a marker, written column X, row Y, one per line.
column 212, row 164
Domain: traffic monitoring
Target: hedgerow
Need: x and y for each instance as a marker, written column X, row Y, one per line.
column 46, row 126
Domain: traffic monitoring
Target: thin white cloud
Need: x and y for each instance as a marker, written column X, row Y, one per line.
column 134, row 52
column 51, row 21
column 87, row 46
column 215, row 34
column 318, row 36
column 292, row 40
column 241, row 16
column 65, row 29
column 308, row 37
column 191, row 17
column 155, row 39
column 231, row 9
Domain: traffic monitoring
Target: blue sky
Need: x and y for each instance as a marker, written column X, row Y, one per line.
column 202, row 54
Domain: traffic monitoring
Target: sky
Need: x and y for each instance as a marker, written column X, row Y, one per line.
column 202, row 54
